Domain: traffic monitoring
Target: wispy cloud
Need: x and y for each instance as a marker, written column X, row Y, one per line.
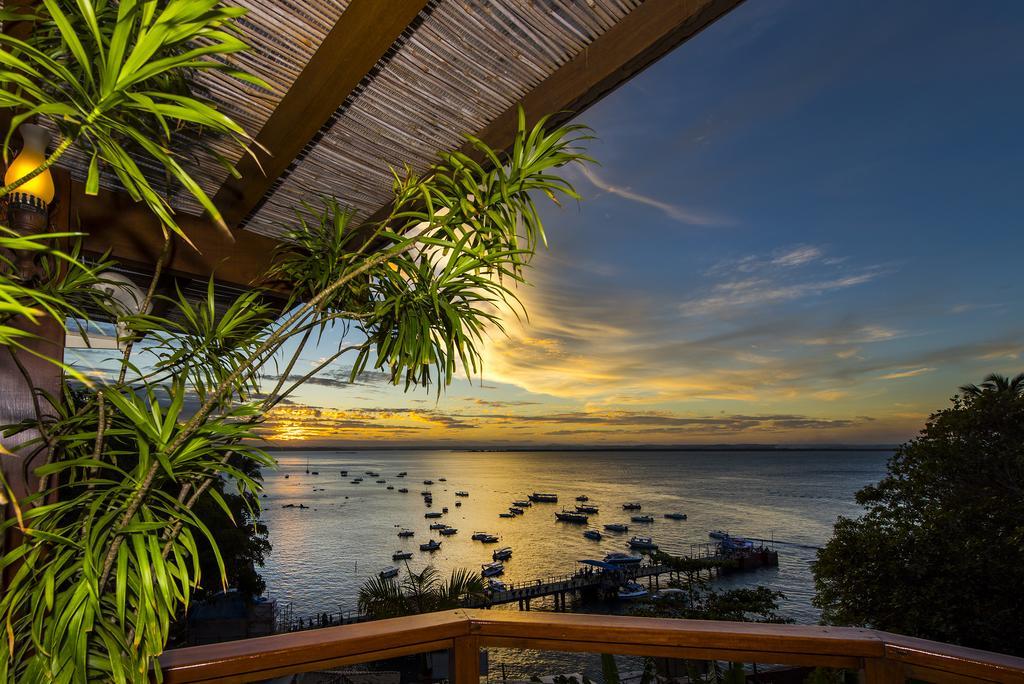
column 742, row 294
column 907, row 373
column 797, row 257
column 675, row 212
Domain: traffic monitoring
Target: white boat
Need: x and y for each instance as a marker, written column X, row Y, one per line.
column 502, row 554
column 592, row 534
column 401, row 555
column 642, row 543
column 406, row 533
column 676, row 516
column 492, row 569
column 631, row 506
column 390, row 571
column 433, row 514
column 642, row 518
column 449, row 531
column 432, row 545
column 438, row 526
column 631, row 590
column 622, row 559
column 540, row 497
column 616, row 527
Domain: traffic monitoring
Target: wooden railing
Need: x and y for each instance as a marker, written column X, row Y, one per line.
column 883, row 658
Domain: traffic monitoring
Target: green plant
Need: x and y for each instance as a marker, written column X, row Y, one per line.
column 418, row 592
column 115, row 558
column 952, row 499
column 114, row 78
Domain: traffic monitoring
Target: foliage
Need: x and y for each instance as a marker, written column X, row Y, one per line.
column 937, row 553
column 115, row 79
column 136, row 462
column 418, row 592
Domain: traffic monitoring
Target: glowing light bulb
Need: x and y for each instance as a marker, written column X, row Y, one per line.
column 38, row 190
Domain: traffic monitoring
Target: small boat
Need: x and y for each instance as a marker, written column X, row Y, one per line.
column 406, row 533
column 489, row 539
column 316, row 472
column 517, row 511
column 676, row 516
column 642, row 519
column 642, row 543
column 631, row 506
column 449, row 531
column 477, row 536
column 572, row 517
column 428, row 482
column 586, row 509
column 592, row 534
column 458, row 504
column 492, row 569
column 503, row 553
column 496, row 585
column 442, row 479
column 583, row 497
column 432, row 514
column 402, row 474
column 381, row 481
column 622, row 559
column 444, row 510
column 401, row 555
column 432, row 545
column 357, row 480
column 538, row 497
column 426, row 492
column 391, row 486
column 461, row 493
column 631, row 590
column 438, row 526
column 344, row 473
column 718, row 534
column 286, row 477
column 403, row 490
column 506, row 515
column 390, row 571
column 522, row 504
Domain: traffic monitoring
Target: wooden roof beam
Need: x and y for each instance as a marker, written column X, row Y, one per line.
column 362, row 36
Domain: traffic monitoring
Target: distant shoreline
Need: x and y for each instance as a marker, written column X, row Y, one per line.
column 491, row 449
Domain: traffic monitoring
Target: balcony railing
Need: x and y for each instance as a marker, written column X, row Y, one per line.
column 881, row 657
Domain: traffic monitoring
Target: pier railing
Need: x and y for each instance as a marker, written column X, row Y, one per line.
column 881, row 657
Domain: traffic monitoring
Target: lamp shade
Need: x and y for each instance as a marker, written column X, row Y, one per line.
column 32, row 155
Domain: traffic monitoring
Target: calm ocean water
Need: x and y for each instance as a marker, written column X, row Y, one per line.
column 323, row 554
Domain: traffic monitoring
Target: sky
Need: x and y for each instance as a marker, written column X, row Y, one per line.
column 805, row 228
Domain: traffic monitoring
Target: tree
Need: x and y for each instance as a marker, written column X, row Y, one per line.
column 939, row 551
column 113, row 536
column 418, row 592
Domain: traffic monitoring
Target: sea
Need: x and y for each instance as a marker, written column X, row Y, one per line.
column 347, row 532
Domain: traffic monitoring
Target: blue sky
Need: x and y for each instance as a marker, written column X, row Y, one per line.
column 805, row 228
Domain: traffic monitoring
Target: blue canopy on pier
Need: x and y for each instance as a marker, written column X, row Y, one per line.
column 599, row 564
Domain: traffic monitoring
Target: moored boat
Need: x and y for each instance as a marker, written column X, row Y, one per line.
column 540, row 497
column 496, row 585
column 526, row 503
column 622, row 559
column 401, row 555
column 631, row 590
column 631, row 506
column 676, row 516
column 642, row 543
column 517, row 511
column 571, row 517
column 586, row 509
column 503, row 553
column 449, row 531
column 432, row 514
column 477, row 536
column 718, row 534
column 506, row 515
column 642, row 519
column 402, row 474
column 492, row 569
column 616, row 527
column 428, row 482
column 403, row 490
column 432, row 545
column 583, row 497
column 592, row 534
column 390, row 571
column 438, row 526
column 461, row 493
column 406, row 533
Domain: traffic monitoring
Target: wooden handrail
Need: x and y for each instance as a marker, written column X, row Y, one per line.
column 883, row 657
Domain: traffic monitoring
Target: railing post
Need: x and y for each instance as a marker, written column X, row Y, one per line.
column 465, row 660
column 882, row 671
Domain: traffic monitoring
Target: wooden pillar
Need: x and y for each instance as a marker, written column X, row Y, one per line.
column 18, row 395
column 464, row 658
column 882, row 671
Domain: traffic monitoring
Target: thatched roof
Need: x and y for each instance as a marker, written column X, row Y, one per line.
column 361, row 85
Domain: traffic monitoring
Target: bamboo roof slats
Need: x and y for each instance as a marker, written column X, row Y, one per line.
column 465, row 63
